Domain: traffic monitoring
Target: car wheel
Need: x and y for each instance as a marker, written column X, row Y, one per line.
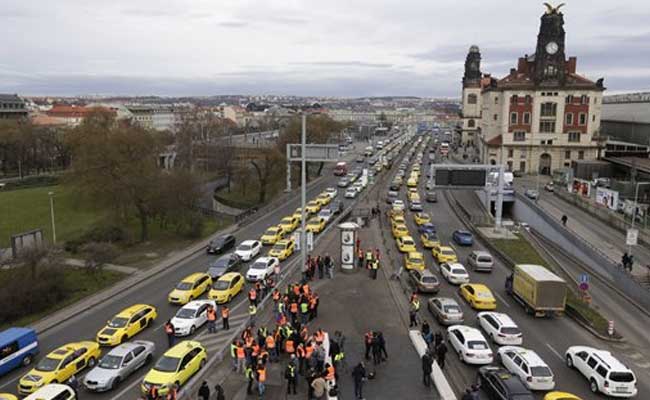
column 149, row 322
column 202, row 364
column 569, row 361
column 593, row 385
column 91, row 362
column 27, row 360
column 460, row 356
column 115, row 382
column 124, row 339
column 149, row 359
column 192, row 330
column 497, row 357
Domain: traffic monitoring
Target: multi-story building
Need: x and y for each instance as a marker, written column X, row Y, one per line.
column 543, row 114
column 12, row 107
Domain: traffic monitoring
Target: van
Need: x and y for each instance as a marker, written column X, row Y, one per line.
column 53, row 391
column 18, row 347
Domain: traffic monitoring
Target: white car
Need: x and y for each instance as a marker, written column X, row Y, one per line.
column 605, row 373
column 398, row 205
column 500, row 328
column 332, row 192
column 326, row 214
column 469, row 344
column 526, row 364
column 191, row 316
column 351, row 193
column 248, row 249
column 261, row 268
column 454, row 273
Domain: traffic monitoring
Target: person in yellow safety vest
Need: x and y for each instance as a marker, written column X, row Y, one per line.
column 413, row 312
column 374, row 266
column 368, row 258
column 250, row 377
column 252, row 311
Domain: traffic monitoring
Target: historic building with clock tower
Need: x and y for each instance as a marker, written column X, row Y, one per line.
column 543, row 114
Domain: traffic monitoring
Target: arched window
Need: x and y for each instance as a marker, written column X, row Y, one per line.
column 471, row 98
column 471, row 123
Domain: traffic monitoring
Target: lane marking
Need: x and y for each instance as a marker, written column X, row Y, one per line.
column 10, row 381
column 502, row 299
column 557, row 353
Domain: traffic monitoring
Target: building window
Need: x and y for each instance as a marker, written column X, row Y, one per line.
column 593, row 118
column 511, row 153
column 529, row 99
column 546, row 126
column 471, row 123
column 550, row 71
column 526, row 118
column 574, row 137
column 522, row 166
column 519, row 136
column 569, row 119
column 513, row 118
column 513, row 99
column 569, row 99
column 583, row 119
column 495, row 117
column 509, row 163
column 496, row 100
column 581, row 155
column 549, row 110
column 567, row 155
column 471, row 99
column 584, row 99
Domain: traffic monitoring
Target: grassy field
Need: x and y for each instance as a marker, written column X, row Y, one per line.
column 78, row 283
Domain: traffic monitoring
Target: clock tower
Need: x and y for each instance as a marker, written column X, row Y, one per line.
column 550, row 59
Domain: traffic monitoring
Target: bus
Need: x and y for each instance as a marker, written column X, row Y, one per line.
column 341, row 169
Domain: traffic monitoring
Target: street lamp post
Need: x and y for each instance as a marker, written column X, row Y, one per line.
column 303, row 192
column 51, row 194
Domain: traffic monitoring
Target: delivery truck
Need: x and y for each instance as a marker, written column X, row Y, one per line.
column 540, row 291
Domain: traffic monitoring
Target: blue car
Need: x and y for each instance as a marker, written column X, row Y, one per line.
column 18, row 347
column 426, row 228
column 463, row 238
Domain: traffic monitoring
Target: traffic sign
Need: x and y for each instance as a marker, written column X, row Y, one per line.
column 632, row 237
column 584, row 286
column 583, row 278
column 310, row 241
column 296, row 239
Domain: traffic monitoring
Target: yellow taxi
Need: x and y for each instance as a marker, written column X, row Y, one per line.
column 315, row 224
column 289, row 224
column 272, row 235
column 414, row 260
column 413, row 196
column 416, row 167
column 405, row 244
column 176, row 366
column 397, row 220
column 421, row 218
column 400, row 230
column 7, row 396
column 126, row 324
column 478, row 296
column 444, row 254
column 283, row 249
column 312, row 207
column 395, row 212
column 190, row 288
column 429, row 240
column 323, row 199
column 226, row 287
column 60, row 365
column 561, row 396
column 412, row 181
column 298, row 214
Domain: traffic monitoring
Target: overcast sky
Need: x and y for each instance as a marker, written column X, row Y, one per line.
column 300, row 47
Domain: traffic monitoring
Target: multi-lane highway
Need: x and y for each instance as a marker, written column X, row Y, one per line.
column 548, row 337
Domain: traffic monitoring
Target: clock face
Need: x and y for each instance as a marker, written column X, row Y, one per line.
column 552, row 48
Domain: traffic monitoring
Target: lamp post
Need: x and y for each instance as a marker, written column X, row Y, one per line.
column 636, row 198
column 51, row 194
column 303, row 192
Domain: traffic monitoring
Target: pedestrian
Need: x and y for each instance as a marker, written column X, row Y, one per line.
column 261, row 379
column 321, row 267
column 250, row 377
column 252, row 311
column 437, row 339
column 241, row 357
column 475, row 392
column 211, row 314
column 369, row 257
column 204, row 391
column 413, row 313
column 426, row 369
column 225, row 314
column 219, row 390
column 340, row 340
column 169, row 330
column 382, row 346
column 630, row 262
column 564, row 219
column 376, row 350
column 359, row 377
column 359, row 258
column 73, row 382
column 329, row 266
column 467, row 395
column 357, row 246
column 374, row 266
column 441, row 352
column 172, row 393
column 367, row 340
column 290, row 376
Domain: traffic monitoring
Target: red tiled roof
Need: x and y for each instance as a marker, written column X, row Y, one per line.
column 46, row 120
column 64, row 111
column 495, row 141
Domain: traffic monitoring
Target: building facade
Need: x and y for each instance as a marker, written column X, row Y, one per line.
column 12, row 107
column 543, row 114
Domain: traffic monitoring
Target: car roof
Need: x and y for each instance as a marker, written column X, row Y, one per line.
column 273, row 228
column 264, row 259
column 481, row 253
column 48, row 391
column 126, row 347
column 415, row 254
column 129, row 311
column 182, row 348
column 229, row 276
column 194, row 304
column 248, row 242
column 11, row 334
column 511, row 381
column 406, row 237
column 193, row 277
column 463, row 232
column 283, row 241
column 479, row 287
column 502, row 318
column 468, row 331
column 530, row 356
column 66, row 349
column 606, row 357
column 446, row 301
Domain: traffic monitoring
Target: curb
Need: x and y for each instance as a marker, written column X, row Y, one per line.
column 591, row 330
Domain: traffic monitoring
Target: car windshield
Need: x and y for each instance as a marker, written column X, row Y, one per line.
column 186, row 313
column 221, row 285
column 415, row 260
column 458, row 271
column 118, row 322
column 621, row 377
column 110, row 362
column 484, row 259
column 279, row 246
column 184, row 286
column 453, row 309
column 48, row 364
column 244, row 247
column 541, row 371
column 448, row 252
column 259, row 265
column 510, row 330
column 167, row 364
column 271, row 231
column 477, row 345
column 429, row 279
column 408, row 242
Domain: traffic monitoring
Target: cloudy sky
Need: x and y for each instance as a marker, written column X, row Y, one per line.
column 300, row 47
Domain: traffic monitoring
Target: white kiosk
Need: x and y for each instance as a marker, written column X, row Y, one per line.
column 348, row 240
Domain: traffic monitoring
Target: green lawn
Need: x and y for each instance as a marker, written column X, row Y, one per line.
column 78, row 283
column 26, row 209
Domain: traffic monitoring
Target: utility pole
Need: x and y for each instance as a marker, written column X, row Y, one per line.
column 51, row 194
column 303, row 193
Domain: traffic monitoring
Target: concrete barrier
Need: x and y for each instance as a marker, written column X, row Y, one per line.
column 437, row 376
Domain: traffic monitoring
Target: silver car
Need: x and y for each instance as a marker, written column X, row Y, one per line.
column 446, row 310
column 118, row 364
column 480, row 261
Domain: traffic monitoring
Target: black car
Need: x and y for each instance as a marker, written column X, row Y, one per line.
column 221, row 244
column 223, row 264
column 500, row 384
column 431, row 197
column 336, row 207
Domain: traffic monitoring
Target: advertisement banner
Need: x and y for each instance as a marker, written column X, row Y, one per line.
column 581, row 187
column 607, row 198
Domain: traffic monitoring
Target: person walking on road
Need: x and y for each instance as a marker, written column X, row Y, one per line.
column 413, row 313
column 212, row 319
column 290, row 376
column 359, row 377
column 225, row 314
column 169, row 330
column 564, row 219
column 250, row 377
column 204, row 391
column 441, row 353
column 219, row 390
column 252, row 311
column 382, row 346
column 359, row 258
column 329, row 266
column 427, row 368
column 321, row 267
column 261, row 379
column 367, row 339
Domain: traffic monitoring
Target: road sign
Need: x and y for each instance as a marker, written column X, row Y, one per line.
column 584, row 286
column 313, row 152
column 583, row 278
column 610, row 328
column 632, row 237
column 296, row 239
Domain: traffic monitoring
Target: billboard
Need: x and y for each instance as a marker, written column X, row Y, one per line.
column 580, row 187
column 460, row 177
column 607, row 198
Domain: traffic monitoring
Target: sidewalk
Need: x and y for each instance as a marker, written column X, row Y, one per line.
column 353, row 304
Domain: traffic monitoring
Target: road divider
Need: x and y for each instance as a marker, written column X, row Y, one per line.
column 437, row 376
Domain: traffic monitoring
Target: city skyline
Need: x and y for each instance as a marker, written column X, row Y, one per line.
column 288, row 48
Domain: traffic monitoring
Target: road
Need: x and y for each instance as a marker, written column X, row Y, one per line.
column 85, row 325
column 548, row 337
